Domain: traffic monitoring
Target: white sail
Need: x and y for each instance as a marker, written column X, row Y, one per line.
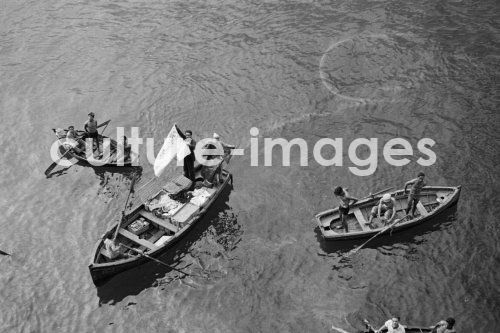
column 174, row 146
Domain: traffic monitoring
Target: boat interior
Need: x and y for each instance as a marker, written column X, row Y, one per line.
column 358, row 217
column 153, row 224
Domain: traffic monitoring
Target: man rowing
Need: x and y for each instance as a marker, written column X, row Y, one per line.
column 392, row 326
column 386, row 206
column 416, row 187
column 73, row 140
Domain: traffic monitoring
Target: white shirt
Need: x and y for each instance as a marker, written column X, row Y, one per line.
column 400, row 328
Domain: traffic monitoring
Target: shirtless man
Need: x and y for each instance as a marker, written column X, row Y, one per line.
column 345, row 200
column 90, row 127
column 416, row 187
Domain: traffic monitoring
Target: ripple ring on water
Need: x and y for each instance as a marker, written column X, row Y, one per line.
column 324, row 76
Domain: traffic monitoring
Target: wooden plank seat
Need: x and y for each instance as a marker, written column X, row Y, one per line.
column 361, row 219
column 161, row 222
column 127, row 234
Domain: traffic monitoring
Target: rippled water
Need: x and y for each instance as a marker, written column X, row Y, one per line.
column 309, row 69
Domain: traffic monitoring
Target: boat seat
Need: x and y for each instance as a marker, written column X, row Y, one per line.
column 157, row 220
column 127, row 234
column 421, row 209
column 361, row 219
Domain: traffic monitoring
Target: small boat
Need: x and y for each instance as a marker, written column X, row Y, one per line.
column 408, row 329
column 433, row 200
column 156, row 225
column 67, row 150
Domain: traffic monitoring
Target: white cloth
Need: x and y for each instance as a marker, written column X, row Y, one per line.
column 200, row 196
column 174, row 146
column 388, row 324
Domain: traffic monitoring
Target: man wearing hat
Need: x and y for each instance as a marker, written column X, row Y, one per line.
column 385, row 206
column 91, row 129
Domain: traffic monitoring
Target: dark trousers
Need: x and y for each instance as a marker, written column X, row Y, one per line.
column 189, row 167
column 343, row 217
column 93, row 136
column 412, row 204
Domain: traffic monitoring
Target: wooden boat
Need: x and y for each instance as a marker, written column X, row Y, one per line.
column 433, row 200
column 165, row 229
column 408, row 329
column 107, row 160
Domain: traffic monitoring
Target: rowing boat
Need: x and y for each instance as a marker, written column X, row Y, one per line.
column 433, row 200
column 67, row 150
column 408, row 329
column 156, row 225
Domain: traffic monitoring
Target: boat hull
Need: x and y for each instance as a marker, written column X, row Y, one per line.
column 327, row 218
column 100, row 272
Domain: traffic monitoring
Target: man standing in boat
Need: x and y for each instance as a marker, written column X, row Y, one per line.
column 189, row 159
column 90, row 128
column 416, row 187
column 345, row 200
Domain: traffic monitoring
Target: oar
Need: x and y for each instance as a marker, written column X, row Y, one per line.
column 368, row 325
column 377, row 193
column 104, row 123
column 338, row 329
column 158, row 261
column 378, row 233
column 126, row 203
column 4, row 253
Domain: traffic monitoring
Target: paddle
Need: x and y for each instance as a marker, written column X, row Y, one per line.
column 4, row 253
column 338, row 329
column 126, row 203
column 377, row 193
column 158, row 261
column 378, row 233
column 106, row 123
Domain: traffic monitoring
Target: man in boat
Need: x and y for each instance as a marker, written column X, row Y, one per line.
column 189, row 159
column 392, row 326
column 345, row 200
column 416, row 187
column 113, row 250
column 74, row 141
column 227, row 150
column 445, row 326
column 90, row 127
column 386, row 206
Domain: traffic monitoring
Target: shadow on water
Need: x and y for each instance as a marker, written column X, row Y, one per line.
column 126, row 171
column 439, row 222
column 100, row 171
column 134, row 281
